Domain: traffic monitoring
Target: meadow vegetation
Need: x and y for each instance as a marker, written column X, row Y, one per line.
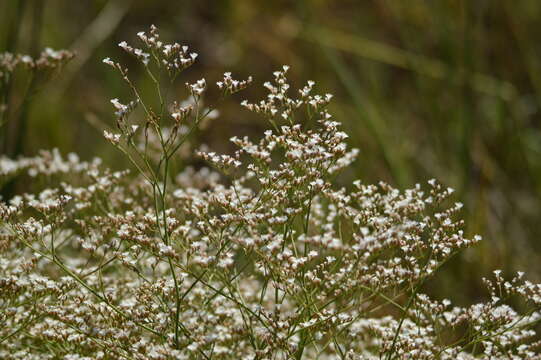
column 267, row 251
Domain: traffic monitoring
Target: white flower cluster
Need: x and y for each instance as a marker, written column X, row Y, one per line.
column 49, row 59
column 196, row 89
column 270, row 260
column 46, row 163
column 231, row 86
column 174, row 57
column 138, row 53
column 48, row 62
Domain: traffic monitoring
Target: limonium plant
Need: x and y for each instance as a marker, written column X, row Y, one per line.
column 257, row 255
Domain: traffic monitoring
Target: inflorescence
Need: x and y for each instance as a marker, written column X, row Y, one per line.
column 256, row 256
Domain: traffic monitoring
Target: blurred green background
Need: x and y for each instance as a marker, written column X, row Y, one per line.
column 446, row 89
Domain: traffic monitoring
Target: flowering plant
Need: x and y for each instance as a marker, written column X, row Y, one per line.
column 258, row 256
